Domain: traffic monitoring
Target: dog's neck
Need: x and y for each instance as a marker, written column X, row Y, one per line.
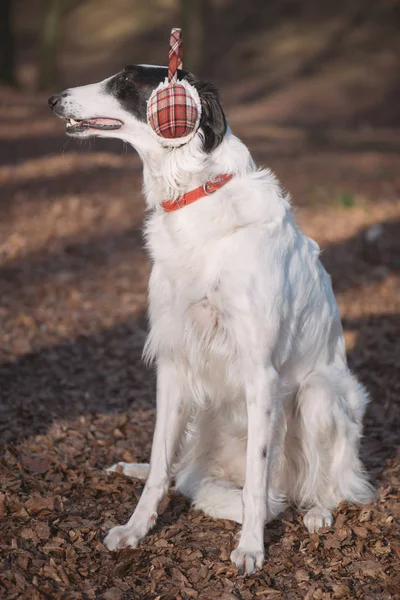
column 170, row 173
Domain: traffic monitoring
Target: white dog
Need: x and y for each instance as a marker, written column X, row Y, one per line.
column 256, row 406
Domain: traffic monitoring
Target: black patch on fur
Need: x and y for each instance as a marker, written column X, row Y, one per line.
column 268, row 413
column 212, row 122
column 135, row 84
column 264, row 453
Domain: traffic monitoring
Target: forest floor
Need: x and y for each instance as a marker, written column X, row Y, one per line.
column 75, row 396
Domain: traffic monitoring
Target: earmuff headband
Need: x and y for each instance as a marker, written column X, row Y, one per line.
column 174, row 107
column 175, row 54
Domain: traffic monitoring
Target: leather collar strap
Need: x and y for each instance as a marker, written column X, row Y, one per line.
column 204, row 190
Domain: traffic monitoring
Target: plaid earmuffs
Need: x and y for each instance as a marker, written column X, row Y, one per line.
column 174, row 107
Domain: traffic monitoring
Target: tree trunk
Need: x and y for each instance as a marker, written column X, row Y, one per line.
column 7, row 68
column 193, row 17
column 49, row 38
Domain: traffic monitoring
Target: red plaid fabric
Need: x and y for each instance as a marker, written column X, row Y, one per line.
column 175, row 54
column 172, row 112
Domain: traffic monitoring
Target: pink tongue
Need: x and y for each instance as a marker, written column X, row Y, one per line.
column 101, row 121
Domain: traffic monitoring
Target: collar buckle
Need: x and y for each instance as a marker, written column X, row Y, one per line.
column 214, row 184
column 209, row 188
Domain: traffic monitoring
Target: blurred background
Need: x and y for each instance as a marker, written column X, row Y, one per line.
column 339, row 63
column 312, row 88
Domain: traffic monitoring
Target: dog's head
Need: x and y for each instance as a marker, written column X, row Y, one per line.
column 117, row 107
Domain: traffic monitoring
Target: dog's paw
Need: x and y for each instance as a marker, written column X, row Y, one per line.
column 247, row 561
column 122, row 536
column 116, row 468
column 135, row 470
column 130, row 534
column 318, row 518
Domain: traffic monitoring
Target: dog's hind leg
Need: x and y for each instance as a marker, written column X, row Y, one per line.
column 216, row 498
column 330, row 407
column 221, row 499
column 135, row 470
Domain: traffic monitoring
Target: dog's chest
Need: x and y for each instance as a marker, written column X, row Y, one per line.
column 205, row 318
column 202, row 306
column 194, row 321
column 192, row 303
column 209, row 344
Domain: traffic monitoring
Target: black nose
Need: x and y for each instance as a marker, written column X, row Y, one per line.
column 54, row 99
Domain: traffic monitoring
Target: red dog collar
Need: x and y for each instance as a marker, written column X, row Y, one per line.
column 204, row 190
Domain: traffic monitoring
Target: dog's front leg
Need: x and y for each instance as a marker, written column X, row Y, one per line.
column 170, row 420
column 262, row 407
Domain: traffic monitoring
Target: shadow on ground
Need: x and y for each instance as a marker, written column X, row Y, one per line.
column 103, row 372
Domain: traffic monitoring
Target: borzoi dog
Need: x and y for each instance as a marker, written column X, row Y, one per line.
column 256, row 406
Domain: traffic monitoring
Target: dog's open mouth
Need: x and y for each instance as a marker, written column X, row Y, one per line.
column 75, row 126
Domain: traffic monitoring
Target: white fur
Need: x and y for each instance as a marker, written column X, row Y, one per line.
column 256, row 406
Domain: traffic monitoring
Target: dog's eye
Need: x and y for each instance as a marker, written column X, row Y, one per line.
column 127, row 76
